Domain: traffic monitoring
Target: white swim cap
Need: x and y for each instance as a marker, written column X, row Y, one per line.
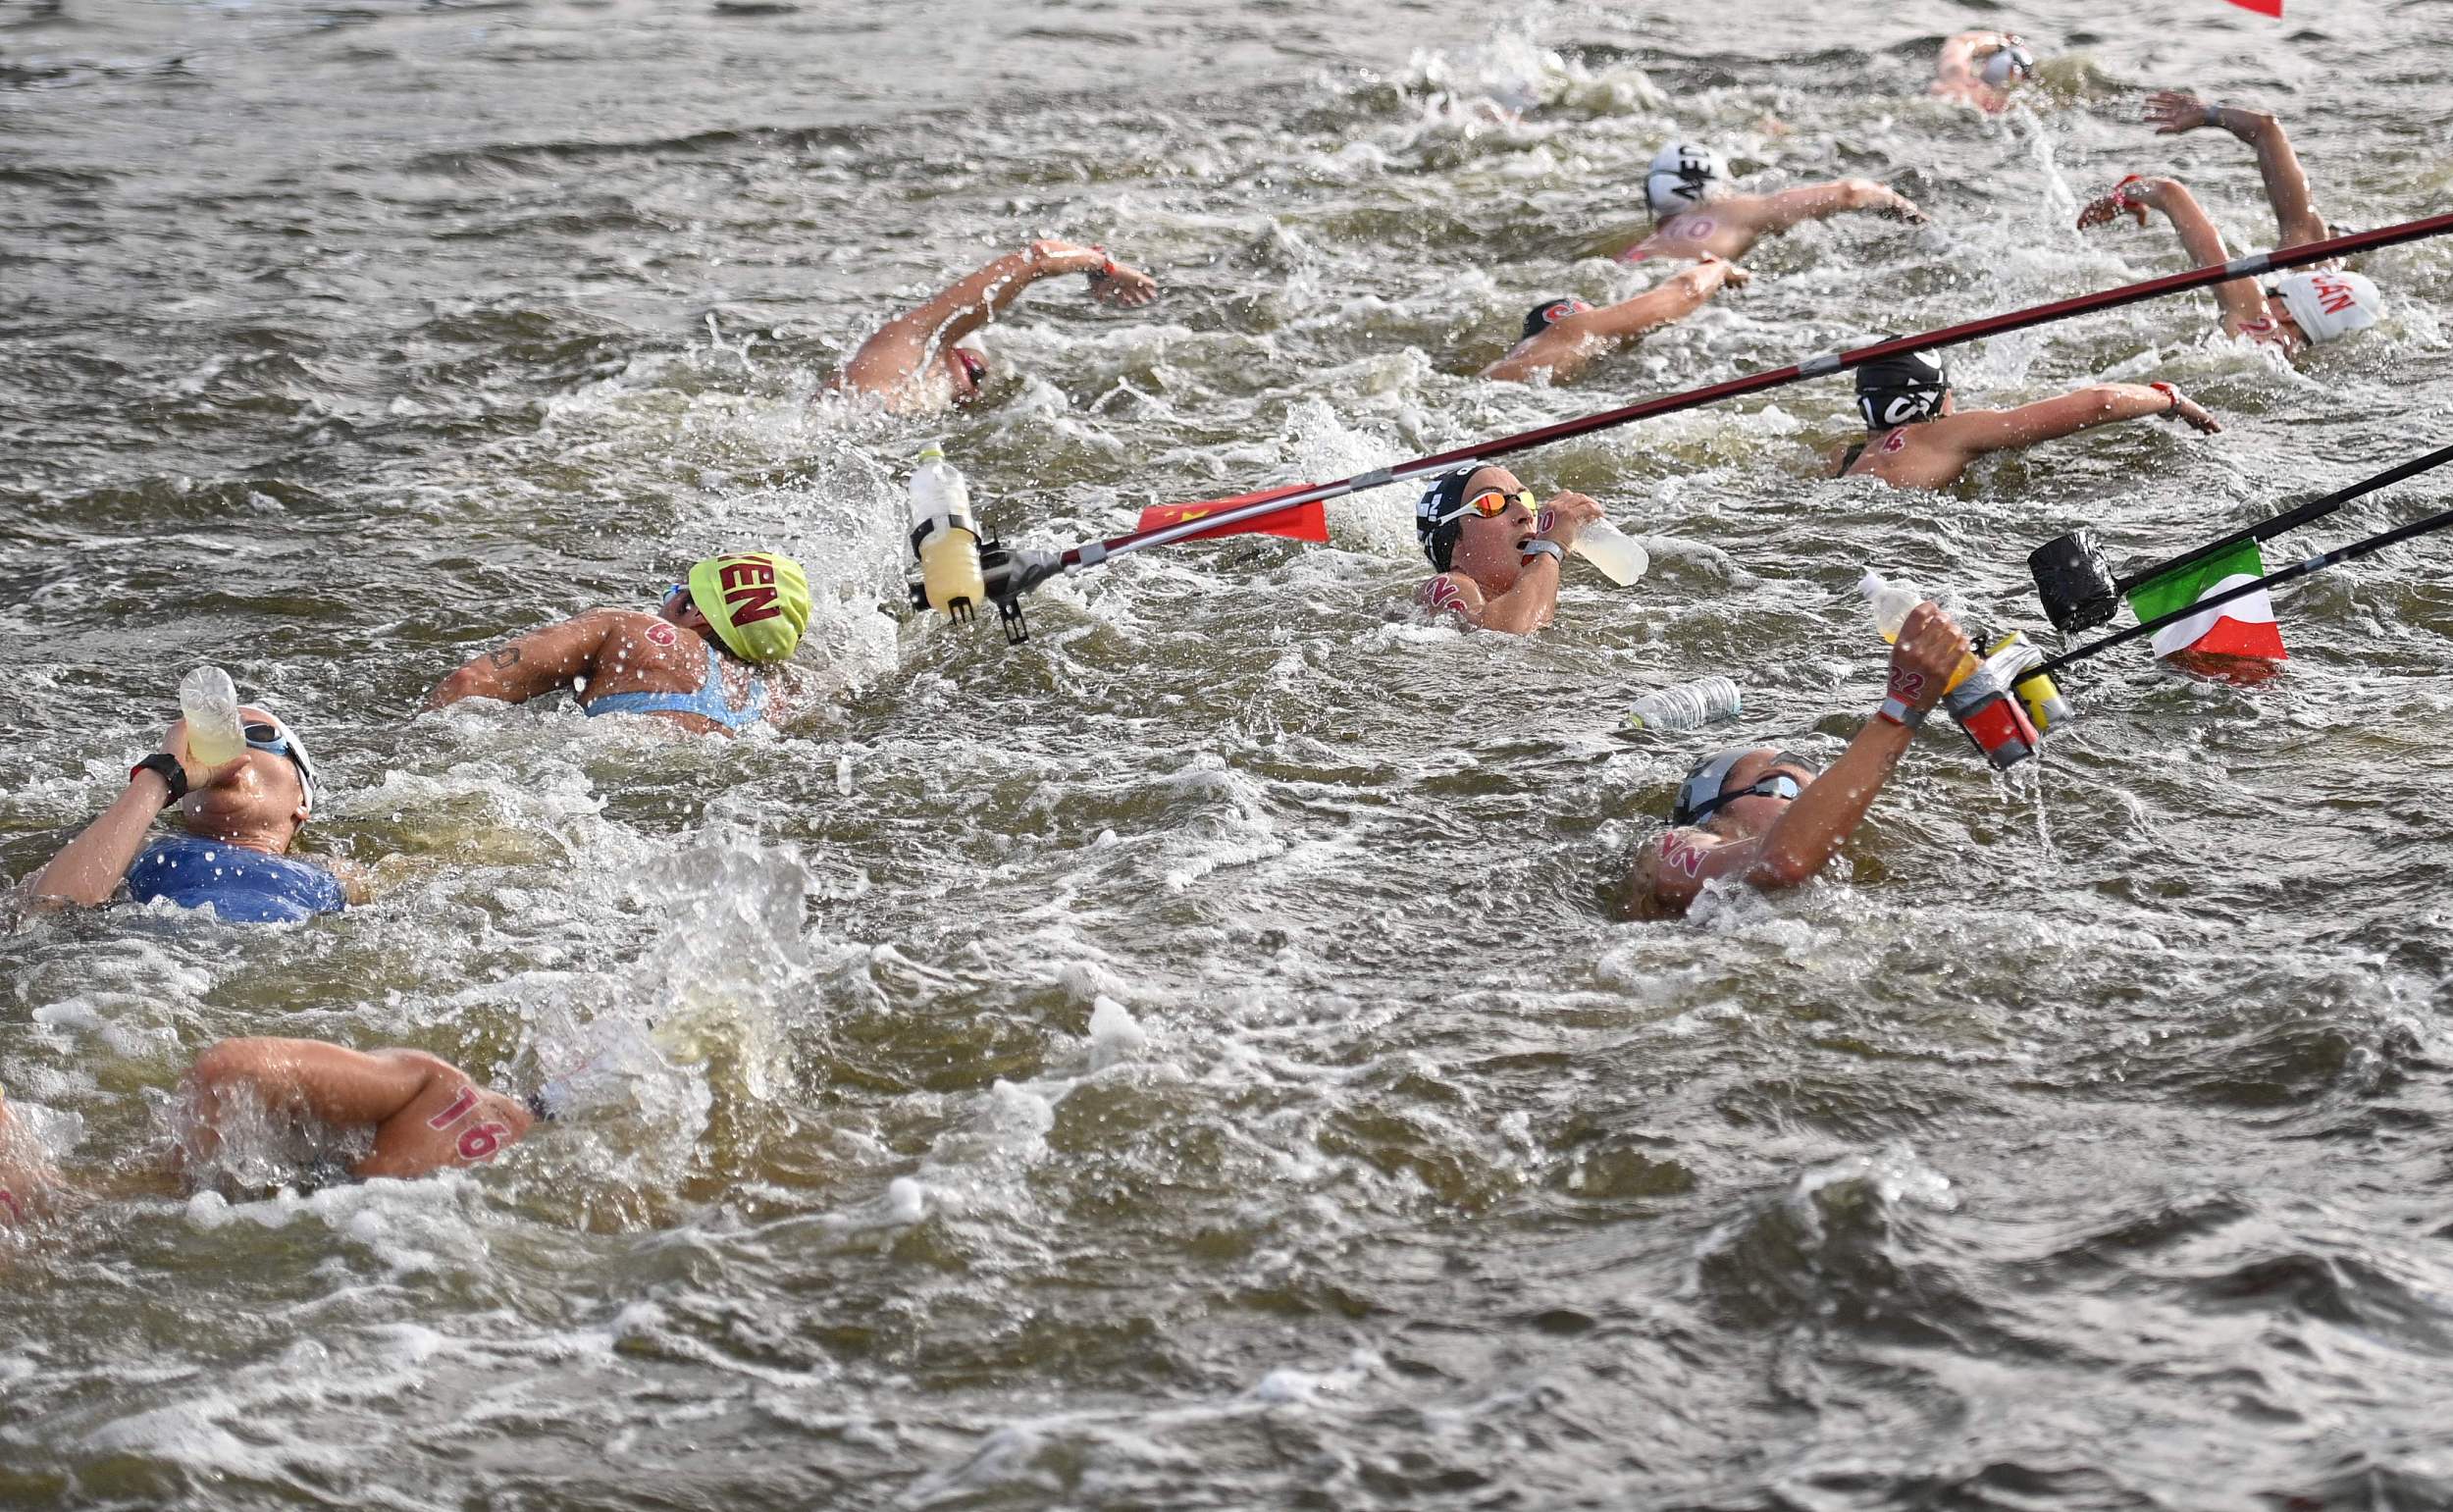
column 1681, row 174
column 2009, row 63
column 2330, row 305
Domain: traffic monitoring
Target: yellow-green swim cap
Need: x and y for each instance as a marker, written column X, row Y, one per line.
column 758, row 602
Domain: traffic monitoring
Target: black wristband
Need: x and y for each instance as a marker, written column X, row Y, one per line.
column 174, row 776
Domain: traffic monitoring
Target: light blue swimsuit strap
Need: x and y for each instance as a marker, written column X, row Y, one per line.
column 707, row 702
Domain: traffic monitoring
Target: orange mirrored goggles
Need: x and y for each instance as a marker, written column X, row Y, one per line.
column 1491, row 503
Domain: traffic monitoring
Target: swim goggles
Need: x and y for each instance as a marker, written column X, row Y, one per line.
column 1491, row 503
column 1778, row 785
column 1700, row 795
column 276, row 738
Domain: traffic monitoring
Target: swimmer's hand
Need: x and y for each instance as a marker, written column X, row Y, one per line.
column 1894, row 206
column 175, row 744
column 2132, row 194
column 1565, row 515
column 1731, row 274
column 1929, row 649
column 2175, row 111
column 2189, row 412
column 1125, row 287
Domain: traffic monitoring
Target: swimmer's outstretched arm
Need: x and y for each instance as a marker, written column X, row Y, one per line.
column 1977, row 432
column 1769, row 213
column 1569, row 346
column 533, row 664
column 2175, row 111
column 427, row 1114
column 91, row 867
column 2241, row 298
column 905, row 344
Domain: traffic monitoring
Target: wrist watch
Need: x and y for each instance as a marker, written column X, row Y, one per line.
column 1549, row 549
column 174, row 776
column 1894, row 711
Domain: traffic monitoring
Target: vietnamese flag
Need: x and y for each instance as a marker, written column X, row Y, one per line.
column 1298, row 522
column 2272, row 8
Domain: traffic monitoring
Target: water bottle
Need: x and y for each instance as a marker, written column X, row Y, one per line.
column 209, row 702
column 1892, row 600
column 1620, row 560
column 1689, row 705
column 945, row 538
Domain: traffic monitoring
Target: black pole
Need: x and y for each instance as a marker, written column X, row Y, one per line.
column 2316, row 564
column 2266, row 530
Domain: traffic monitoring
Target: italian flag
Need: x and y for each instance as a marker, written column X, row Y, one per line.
column 2244, row 627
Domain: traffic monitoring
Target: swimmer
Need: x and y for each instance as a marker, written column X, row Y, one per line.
column 694, row 662
column 1917, row 438
column 1565, row 336
column 417, row 1113
column 1495, row 561
column 2308, row 308
column 239, row 819
column 1980, row 68
column 1768, row 820
column 916, row 362
column 1695, row 211
column 426, row 1113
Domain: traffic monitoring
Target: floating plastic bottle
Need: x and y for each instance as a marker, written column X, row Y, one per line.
column 1688, row 706
column 1618, row 556
column 209, row 702
column 945, row 538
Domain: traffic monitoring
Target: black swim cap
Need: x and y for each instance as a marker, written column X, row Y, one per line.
column 1901, row 390
column 1444, row 497
column 1548, row 314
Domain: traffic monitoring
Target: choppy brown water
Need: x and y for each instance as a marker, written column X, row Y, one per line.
column 1187, row 1061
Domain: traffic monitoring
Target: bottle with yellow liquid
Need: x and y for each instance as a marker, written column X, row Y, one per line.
column 209, row 702
column 2043, row 701
column 1892, row 600
column 945, row 537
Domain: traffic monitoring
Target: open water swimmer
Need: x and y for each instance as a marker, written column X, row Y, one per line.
column 918, row 362
column 1564, row 336
column 238, row 820
column 2308, row 308
column 391, row 1112
column 1983, row 69
column 1919, row 437
column 1696, row 210
column 1761, row 817
column 707, row 660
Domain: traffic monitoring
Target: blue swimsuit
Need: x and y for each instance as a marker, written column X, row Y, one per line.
column 241, row 886
column 707, row 702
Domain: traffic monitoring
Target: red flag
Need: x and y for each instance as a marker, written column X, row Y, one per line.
column 1301, row 522
column 2272, row 8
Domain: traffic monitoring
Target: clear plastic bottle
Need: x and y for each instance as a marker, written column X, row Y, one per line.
column 1892, row 600
column 1688, row 706
column 209, row 702
column 1618, row 556
column 945, row 537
